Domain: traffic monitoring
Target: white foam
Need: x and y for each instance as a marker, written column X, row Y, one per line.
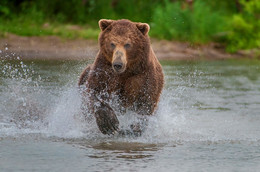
column 61, row 119
column 185, row 113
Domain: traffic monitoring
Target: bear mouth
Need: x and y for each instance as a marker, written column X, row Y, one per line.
column 118, row 71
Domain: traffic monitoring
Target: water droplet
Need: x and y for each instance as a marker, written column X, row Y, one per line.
column 0, row 51
column 6, row 48
column 18, row 58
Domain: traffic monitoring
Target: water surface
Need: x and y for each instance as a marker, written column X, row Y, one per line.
column 208, row 119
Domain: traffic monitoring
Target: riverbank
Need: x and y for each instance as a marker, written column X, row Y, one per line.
column 53, row 47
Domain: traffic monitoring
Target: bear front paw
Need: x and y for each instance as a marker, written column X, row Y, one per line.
column 107, row 121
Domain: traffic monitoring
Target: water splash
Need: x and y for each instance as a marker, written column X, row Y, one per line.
column 191, row 107
column 65, row 119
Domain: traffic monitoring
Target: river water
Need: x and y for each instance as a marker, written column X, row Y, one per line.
column 208, row 119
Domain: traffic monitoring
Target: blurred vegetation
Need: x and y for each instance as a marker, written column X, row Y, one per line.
column 234, row 23
column 245, row 27
column 196, row 23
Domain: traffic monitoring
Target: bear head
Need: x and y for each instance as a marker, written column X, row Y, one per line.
column 124, row 44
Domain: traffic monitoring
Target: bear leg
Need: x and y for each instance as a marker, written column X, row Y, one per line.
column 106, row 120
column 84, row 75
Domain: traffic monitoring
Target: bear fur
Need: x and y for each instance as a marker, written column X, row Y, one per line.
column 125, row 66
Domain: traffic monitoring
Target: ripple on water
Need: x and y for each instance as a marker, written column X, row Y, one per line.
column 207, row 114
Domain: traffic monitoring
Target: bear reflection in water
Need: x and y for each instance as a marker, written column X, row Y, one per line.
column 126, row 67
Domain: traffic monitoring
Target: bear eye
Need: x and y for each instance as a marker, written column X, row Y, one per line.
column 112, row 45
column 127, row 46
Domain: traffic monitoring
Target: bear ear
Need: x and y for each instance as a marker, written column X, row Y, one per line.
column 104, row 23
column 143, row 27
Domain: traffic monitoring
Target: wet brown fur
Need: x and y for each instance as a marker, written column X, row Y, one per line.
column 138, row 87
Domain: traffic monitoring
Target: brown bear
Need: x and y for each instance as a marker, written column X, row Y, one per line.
column 125, row 66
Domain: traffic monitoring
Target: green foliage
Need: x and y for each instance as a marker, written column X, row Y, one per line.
column 135, row 10
column 199, row 24
column 63, row 30
column 4, row 8
column 245, row 27
column 229, row 6
column 80, row 11
column 28, row 18
column 235, row 23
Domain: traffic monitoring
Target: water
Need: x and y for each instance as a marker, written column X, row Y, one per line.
column 208, row 120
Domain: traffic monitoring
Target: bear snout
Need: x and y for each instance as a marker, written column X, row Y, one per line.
column 118, row 67
column 119, row 62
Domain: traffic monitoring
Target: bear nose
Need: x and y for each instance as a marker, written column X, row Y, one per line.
column 118, row 65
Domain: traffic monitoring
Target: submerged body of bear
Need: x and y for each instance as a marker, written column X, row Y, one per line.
column 125, row 66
